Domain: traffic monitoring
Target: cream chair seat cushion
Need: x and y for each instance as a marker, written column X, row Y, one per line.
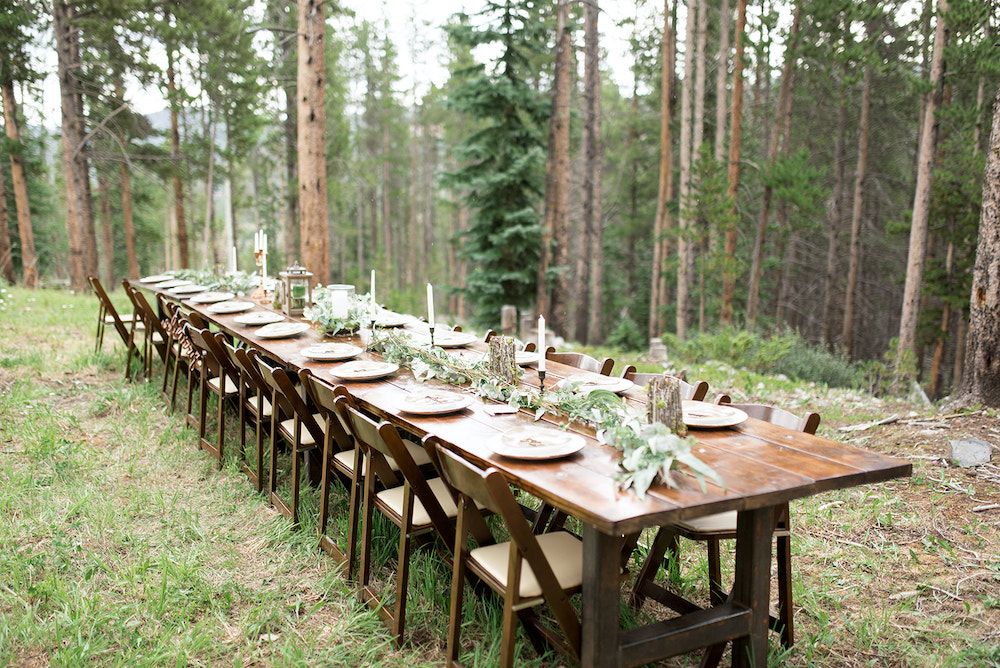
column 392, row 499
column 563, row 551
column 305, row 437
column 231, row 387
column 345, row 458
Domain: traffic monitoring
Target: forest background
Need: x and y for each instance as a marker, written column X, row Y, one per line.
column 813, row 166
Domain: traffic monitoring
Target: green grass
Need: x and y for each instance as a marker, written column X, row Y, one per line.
column 123, row 544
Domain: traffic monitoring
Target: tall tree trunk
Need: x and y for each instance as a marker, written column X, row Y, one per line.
column 735, row 146
column 721, row 79
column 556, row 222
column 312, row 139
column 65, row 34
column 836, row 217
column 684, row 220
column 854, row 255
column 209, row 189
column 175, row 152
column 664, row 223
column 934, row 381
column 107, row 227
column 981, row 378
column 29, row 260
column 921, row 200
column 784, row 109
column 387, row 232
column 593, row 155
column 125, row 185
column 6, row 258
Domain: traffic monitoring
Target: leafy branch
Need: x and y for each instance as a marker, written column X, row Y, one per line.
column 650, row 452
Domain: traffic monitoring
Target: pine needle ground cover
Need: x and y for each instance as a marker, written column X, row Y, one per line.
column 120, row 543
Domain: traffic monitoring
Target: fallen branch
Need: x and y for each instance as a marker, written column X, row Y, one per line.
column 869, row 425
column 942, row 591
column 988, row 506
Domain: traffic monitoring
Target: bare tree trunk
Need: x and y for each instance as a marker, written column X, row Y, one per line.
column 65, row 34
column 921, row 201
column 556, row 220
column 721, row 78
column 29, row 260
column 386, row 201
column 664, row 220
column 312, row 139
column 934, row 380
column 6, row 258
column 125, row 184
column 592, row 202
column 107, row 227
column 784, row 109
column 175, row 152
column 735, row 144
column 854, row 255
column 209, row 190
column 684, row 220
column 835, row 221
column 981, row 378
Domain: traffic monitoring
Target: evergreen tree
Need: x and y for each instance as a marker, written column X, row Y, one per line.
column 502, row 163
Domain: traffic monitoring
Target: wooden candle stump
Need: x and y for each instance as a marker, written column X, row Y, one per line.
column 664, row 404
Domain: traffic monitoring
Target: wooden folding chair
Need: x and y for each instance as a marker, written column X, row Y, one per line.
column 255, row 408
column 178, row 350
column 525, row 571
column 155, row 337
column 304, row 431
column 107, row 314
column 696, row 391
column 712, row 529
column 582, row 362
column 216, row 377
column 419, row 506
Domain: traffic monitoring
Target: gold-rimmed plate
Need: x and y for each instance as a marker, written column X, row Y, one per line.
column 230, row 307
column 281, row 330
column 330, row 352
column 536, row 442
column 259, row 318
column 363, row 370
column 211, row 297
column 701, row 414
column 435, row 402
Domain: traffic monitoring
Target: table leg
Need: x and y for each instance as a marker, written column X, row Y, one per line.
column 752, row 587
column 601, row 557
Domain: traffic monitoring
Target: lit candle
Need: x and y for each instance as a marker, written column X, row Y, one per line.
column 338, row 304
column 541, row 343
column 372, row 294
column 430, row 305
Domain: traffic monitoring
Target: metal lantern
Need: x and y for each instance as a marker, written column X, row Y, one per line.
column 297, row 284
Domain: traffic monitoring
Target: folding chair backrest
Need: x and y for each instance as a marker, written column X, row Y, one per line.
column 284, row 390
column 143, row 310
column 807, row 423
column 583, row 362
column 200, row 341
column 324, row 396
column 108, row 308
column 696, row 391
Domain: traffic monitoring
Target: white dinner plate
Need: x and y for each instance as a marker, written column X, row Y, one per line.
column 330, row 352
column 391, row 319
column 259, row 318
column 588, row 382
column 158, row 278
column 523, row 358
column 449, row 339
column 188, row 289
column 435, row 402
column 211, row 297
column 171, row 283
column 363, row 370
column 706, row 415
column 280, row 330
column 230, row 307
column 536, row 442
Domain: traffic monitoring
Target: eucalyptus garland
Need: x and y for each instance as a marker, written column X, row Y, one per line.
column 650, row 452
column 239, row 282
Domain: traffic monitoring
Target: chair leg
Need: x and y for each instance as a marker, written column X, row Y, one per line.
column 785, row 604
column 457, row 592
column 352, row 519
column 716, row 592
column 647, row 572
column 509, row 633
column 402, row 572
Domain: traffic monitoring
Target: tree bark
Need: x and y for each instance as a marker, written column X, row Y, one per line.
column 555, row 305
column 175, row 152
column 107, row 227
column 684, row 220
column 784, row 109
column 29, row 260
column 312, row 139
column 6, row 258
column 209, row 131
column 854, row 254
column 66, row 35
column 835, row 218
column 593, row 210
column 735, row 146
column 921, row 200
column 981, row 377
column 664, row 222
column 721, row 77
column 125, row 184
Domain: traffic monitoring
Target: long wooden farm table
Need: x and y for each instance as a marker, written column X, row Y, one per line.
column 763, row 466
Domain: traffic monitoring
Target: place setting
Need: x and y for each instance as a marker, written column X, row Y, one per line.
column 282, row 330
column 330, row 352
column 223, row 307
column 188, row 288
column 259, row 318
column 427, row 401
column 170, row 283
column 364, row 370
column 390, row 319
column 157, row 278
column 703, row 415
column 536, row 442
column 211, row 297
column 589, row 382
column 452, row 339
